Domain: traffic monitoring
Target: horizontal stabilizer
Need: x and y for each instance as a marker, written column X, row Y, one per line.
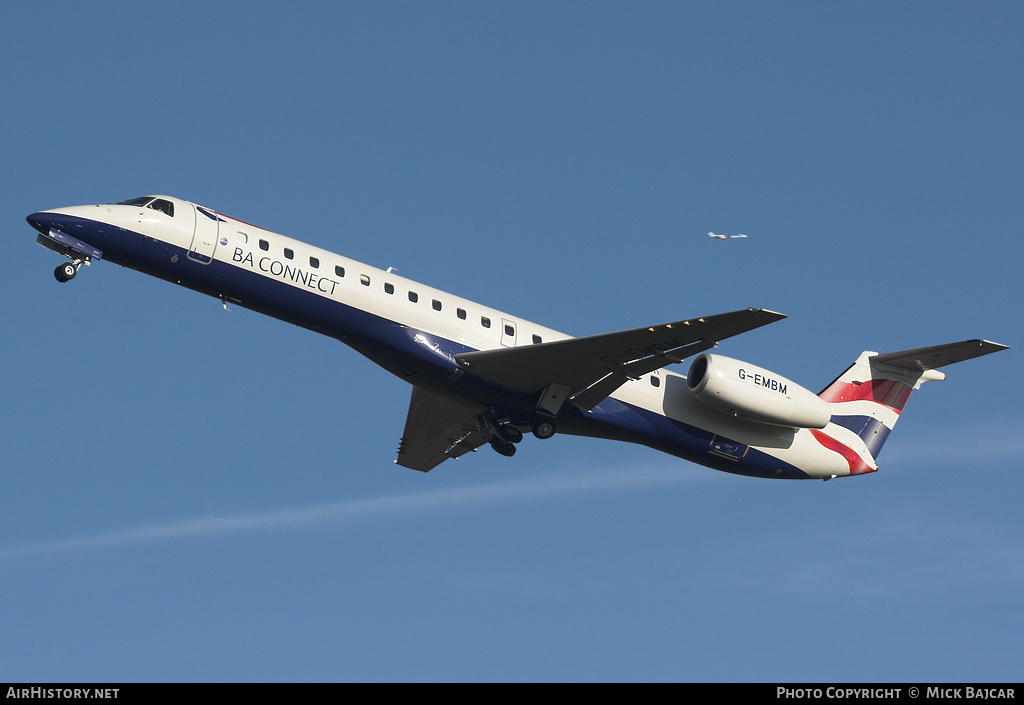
column 922, row 359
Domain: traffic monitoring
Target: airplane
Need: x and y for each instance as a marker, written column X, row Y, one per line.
column 726, row 236
column 483, row 377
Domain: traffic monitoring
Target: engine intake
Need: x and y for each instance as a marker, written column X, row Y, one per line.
column 738, row 389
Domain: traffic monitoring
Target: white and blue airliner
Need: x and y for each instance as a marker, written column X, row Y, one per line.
column 481, row 376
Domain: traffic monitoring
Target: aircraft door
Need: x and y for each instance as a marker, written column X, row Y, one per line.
column 204, row 239
column 508, row 333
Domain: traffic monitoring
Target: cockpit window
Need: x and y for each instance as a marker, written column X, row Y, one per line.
column 157, row 204
column 162, row 206
column 136, row 201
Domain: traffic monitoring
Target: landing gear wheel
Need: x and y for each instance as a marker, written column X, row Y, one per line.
column 544, row 429
column 510, row 433
column 503, row 447
column 65, row 272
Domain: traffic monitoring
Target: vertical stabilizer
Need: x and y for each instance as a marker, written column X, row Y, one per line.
column 869, row 396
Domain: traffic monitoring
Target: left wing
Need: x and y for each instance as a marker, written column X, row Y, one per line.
column 437, row 428
column 593, row 367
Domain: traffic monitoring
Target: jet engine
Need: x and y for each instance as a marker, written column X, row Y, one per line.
column 738, row 389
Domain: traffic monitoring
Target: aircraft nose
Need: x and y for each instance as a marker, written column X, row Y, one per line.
column 41, row 221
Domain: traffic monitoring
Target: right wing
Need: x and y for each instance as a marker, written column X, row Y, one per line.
column 437, row 428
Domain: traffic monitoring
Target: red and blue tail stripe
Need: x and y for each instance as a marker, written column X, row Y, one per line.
column 870, row 409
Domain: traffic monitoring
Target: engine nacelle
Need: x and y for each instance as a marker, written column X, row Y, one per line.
column 738, row 389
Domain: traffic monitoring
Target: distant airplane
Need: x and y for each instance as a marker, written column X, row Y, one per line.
column 481, row 376
column 727, row 236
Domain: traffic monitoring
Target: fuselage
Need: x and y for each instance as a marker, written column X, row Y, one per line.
column 415, row 331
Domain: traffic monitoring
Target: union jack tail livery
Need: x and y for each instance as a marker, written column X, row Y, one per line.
column 868, row 398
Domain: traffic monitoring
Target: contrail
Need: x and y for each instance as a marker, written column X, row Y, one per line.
column 999, row 442
column 539, row 487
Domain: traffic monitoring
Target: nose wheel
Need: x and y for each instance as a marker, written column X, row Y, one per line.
column 65, row 272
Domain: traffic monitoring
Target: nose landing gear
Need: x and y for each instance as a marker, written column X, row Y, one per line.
column 75, row 250
column 66, row 272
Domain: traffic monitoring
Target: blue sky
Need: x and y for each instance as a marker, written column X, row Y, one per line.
column 194, row 495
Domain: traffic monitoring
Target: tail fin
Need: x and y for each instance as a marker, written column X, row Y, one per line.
column 870, row 395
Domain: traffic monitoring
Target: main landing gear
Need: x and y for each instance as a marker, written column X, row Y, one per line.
column 543, row 428
column 504, row 439
column 67, row 271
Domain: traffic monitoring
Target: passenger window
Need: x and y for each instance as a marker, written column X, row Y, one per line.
column 364, row 280
column 389, row 288
column 509, row 330
column 264, row 245
column 413, row 296
column 314, row 263
column 537, row 340
column 436, row 305
column 655, row 382
column 289, row 254
column 461, row 313
column 339, row 271
column 485, row 321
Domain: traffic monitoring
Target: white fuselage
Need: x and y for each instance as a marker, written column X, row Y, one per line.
column 414, row 330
